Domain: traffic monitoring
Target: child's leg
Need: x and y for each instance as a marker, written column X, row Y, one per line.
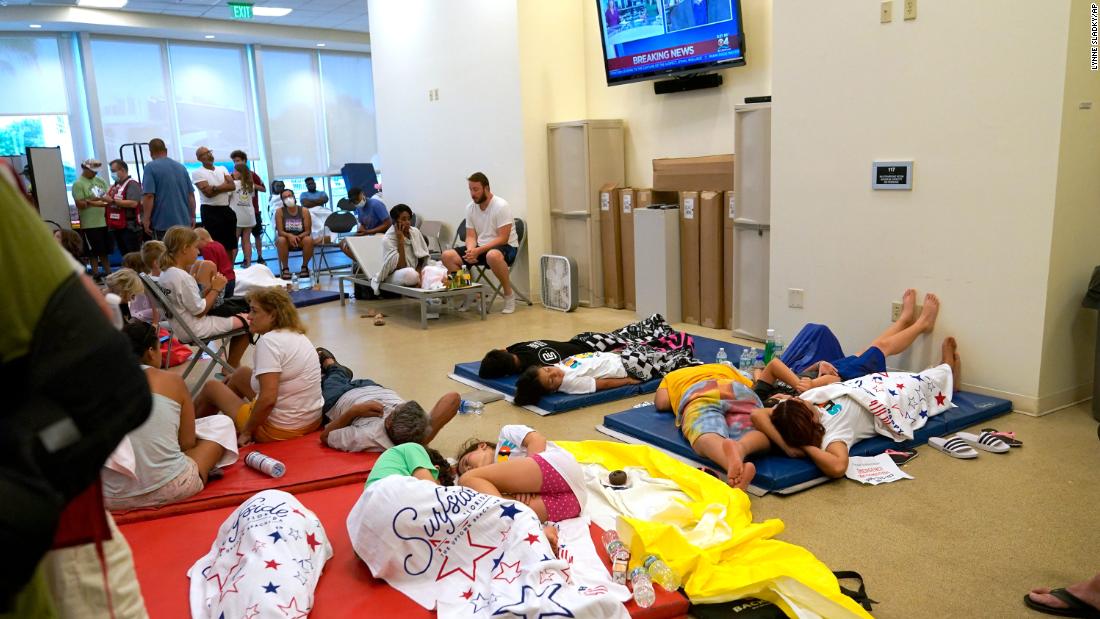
column 246, row 244
column 897, row 343
column 730, row 454
column 216, row 397
column 205, row 454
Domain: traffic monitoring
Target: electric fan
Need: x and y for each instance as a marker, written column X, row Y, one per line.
column 559, row 283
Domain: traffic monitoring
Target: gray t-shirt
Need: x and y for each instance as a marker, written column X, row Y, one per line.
column 365, row 433
column 170, row 185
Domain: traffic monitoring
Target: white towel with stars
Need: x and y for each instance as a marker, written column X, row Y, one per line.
column 468, row 554
column 265, row 561
column 900, row 402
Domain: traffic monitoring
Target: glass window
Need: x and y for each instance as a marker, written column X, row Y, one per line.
column 212, row 98
column 32, row 77
column 291, row 93
column 133, row 97
column 349, row 109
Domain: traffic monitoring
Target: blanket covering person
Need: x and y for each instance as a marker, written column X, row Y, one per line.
column 900, row 402
column 467, row 554
column 416, row 252
column 654, row 332
column 265, row 561
column 747, row 563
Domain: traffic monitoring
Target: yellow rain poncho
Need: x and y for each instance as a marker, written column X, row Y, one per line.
column 747, row 562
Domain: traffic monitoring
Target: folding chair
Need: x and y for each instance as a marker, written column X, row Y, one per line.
column 219, row 356
column 482, row 273
column 431, row 231
column 337, row 223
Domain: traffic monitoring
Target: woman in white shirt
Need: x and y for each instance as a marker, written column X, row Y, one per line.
column 170, row 462
column 182, row 291
column 280, row 397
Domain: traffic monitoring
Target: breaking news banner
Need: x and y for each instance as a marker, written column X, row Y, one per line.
column 671, row 56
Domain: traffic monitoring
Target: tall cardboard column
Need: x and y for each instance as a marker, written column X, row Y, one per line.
column 689, row 256
column 626, row 237
column 711, row 271
column 611, row 246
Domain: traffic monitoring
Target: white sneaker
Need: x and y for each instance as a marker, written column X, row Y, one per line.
column 461, row 305
column 509, row 304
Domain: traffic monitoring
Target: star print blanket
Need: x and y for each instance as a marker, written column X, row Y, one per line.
column 901, row 402
column 265, row 561
column 468, row 554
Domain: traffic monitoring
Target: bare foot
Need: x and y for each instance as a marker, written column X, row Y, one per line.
column 929, row 313
column 908, row 307
column 738, row 472
column 1087, row 591
column 951, row 357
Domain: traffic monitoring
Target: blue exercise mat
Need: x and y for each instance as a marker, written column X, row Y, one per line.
column 778, row 473
column 705, row 349
column 309, row 296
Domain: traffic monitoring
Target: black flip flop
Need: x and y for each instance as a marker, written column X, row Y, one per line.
column 1010, row 441
column 324, row 353
column 1075, row 607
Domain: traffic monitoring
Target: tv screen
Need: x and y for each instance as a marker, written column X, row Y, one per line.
column 645, row 39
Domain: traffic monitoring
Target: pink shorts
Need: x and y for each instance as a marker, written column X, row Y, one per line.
column 561, row 503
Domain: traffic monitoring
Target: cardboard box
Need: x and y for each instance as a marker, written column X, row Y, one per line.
column 711, row 271
column 626, row 239
column 689, row 256
column 611, row 246
column 728, row 214
column 643, row 198
column 712, row 173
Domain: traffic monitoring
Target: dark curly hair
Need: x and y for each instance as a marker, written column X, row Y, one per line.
column 796, row 423
column 528, row 388
column 446, row 471
column 497, row 363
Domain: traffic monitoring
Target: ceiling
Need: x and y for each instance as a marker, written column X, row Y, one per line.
column 348, row 15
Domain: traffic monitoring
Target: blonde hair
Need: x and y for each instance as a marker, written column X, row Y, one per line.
column 276, row 301
column 176, row 240
column 151, row 252
column 246, row 177
column 203, row 235
column 126, row 284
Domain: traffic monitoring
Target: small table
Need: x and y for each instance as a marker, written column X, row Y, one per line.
column 422, row 295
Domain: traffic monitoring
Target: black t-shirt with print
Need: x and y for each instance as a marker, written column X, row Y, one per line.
column 545, row 352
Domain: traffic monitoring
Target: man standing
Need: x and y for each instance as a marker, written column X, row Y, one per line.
column 125, row 197
column 311, row 197
column 90, row 195
column 216, row 186
column 168, row 200
column 239, row 156
column 491, row 238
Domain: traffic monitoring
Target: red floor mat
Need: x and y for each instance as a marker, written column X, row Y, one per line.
column 309, row 466
column 166, row 548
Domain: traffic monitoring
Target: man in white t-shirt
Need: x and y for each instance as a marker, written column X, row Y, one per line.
column 491, row 238
column 216, row 186
column 365, row 416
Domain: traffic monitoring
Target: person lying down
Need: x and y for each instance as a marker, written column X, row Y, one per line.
column 463, row 552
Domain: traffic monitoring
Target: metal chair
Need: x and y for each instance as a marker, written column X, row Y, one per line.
column 431, row 230
column 219, row 356
column 340, row 222
column 482, row 273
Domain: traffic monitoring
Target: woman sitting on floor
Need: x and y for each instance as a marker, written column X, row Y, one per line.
column 402, row 267
column 182, row 290
column 280, row 398
column 170, row 462
column 526, row 467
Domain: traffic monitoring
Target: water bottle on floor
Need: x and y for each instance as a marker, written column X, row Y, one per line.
column 618, row 553
column 769, row 346
column 747, row 359
column 778, row 354
column 758, row 359
column 265, row 464
column 721, row 358
column 644, row 596
column 294, row 282
column 661, row 573
column 471, row 407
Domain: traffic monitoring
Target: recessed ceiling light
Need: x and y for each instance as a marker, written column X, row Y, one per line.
column 102, row 4
column 320, row 45
column 36, row 25
column 209, row 36
column 270, row 11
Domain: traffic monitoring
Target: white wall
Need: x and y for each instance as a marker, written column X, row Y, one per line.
column 972, row 92
column 680, row 124
column 467, row 49
column 1069, row 334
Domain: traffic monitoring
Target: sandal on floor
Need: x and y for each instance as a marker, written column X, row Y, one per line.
column 1007, row 437
column 303, row 274
column 285, row 274
column 901, row 456
column 379, row 319
column 1075, row 607
column 986, row 440
column 954, row 447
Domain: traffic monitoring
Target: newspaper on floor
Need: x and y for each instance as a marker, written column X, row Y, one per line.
column 875, row 470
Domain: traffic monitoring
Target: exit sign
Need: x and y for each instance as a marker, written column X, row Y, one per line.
column 241, row 11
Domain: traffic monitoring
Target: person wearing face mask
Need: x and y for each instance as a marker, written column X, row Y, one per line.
column 372, row 214
column 216, row 186
column 293, row 225
column 123, row 200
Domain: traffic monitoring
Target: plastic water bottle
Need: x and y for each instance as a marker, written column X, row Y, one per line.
column 265, row 464
column 661, row 573
column 747, row 359
column 769, row 346
column 294, row 282
column 721, row 358
column 778, row 354
column 644, row 596
column 471, row 407
column 619, row 555
column 758, row 359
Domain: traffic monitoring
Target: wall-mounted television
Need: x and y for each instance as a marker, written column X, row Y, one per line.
column 648, row 39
